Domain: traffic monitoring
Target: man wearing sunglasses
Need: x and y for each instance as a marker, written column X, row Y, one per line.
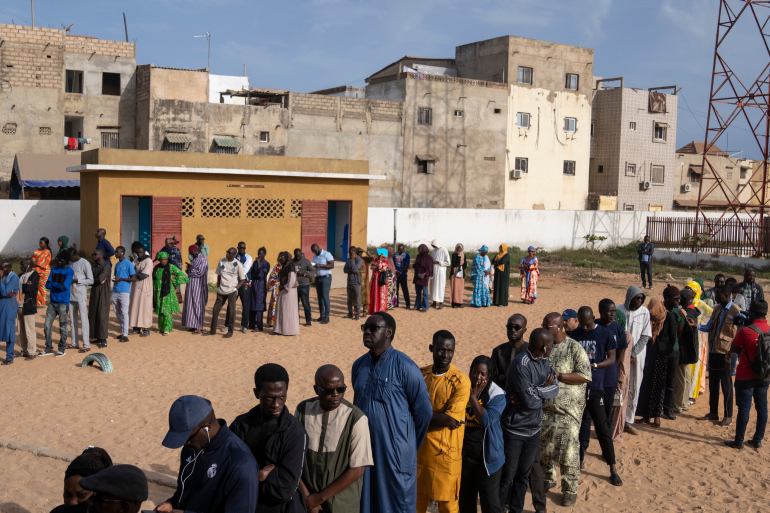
column 116, row 489
column 217, row 472
column 503, row 355
column 339, row 447
column 390, row 390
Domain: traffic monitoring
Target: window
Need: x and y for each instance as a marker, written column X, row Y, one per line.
column 521, row 164
column 111, row 84
column 570, row 124
column 522, row 119
column 660, row 132
column 593, row 129
column 424, row 116
column 73, row 126
column 630, row 169
column 692, row 176
column 569, row 167
column 425, row 164
column 226, row 144
column 176, row 142
column 744, row 172
column 629, row 207
column 657, row 174
column 74, row 81
column 110, row 140
column 498, row 110
column 459, row 113
column 600, row 169
column 524, row 75
column 632, row 125
column 572, row 82
column 44, row 130
column 264, row 137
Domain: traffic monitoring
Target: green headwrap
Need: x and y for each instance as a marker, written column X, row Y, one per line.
column 162, row 255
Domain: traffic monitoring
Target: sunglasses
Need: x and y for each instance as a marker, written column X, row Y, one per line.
column 331, row 391
column 368, row 328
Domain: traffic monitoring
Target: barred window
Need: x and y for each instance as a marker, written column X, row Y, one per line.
column 188, row 207
column 296, row 208
column 221, row 207
column 110, row 140
column 265, row 208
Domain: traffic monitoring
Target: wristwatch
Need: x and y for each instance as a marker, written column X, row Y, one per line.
column 594, row 366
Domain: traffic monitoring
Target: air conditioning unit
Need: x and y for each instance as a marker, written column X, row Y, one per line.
column 515, row 174
column 686, row 187
column 645, row 185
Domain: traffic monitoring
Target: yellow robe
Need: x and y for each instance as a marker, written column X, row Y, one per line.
column 439, row 460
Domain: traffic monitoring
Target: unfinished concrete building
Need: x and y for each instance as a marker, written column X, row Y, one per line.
column 61, row 92
column 633, row 142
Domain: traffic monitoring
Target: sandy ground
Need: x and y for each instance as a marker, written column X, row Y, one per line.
column 52, row 403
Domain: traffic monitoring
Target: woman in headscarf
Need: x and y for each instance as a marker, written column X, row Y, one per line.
column 392, row 290
column 142, row 291
column 166, row 280
column 457, row 267
column 258, row 277
column 90, row 461
column 196, row 294
column 480, row 276
column 529, row 269
column 502, row 276
column 64, row 245
column 273, row 282
column 287, row 307
column 380, row 282
column 41, row 262
column 698, row 370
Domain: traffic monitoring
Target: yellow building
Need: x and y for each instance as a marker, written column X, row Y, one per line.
column 278, row 202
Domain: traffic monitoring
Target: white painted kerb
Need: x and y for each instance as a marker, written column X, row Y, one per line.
column 223, row 171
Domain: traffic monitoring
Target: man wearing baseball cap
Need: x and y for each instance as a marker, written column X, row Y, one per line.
column 217, row 472
column 120, row 488
column 570, row 318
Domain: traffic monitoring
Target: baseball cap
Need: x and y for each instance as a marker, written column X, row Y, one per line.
column 569, row 313
column 124, row 482
column 187, row 413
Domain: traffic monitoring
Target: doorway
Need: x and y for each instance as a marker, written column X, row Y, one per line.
column 338, row 229
column 136, row 221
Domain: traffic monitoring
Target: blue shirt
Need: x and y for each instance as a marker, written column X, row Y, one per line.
column 402, row 262
column 123, row 269
column 596, row 342
column 59, row 283
column 619, row 335
column 107, row 250
column 324, row 257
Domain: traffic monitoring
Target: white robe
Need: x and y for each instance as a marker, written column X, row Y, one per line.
column 637, row 324
column 438, row 281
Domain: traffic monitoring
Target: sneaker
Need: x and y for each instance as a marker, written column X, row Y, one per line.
column 244, row 329
column 60, row 353
column 84, row 350
column 324, row 321
column 7, row 361
column 756, row 445
column 569, row 499
column 734, row 444
column 229, row 334
column 47, row 352
column 122, row 338
column 144, row 333
column 669, row 416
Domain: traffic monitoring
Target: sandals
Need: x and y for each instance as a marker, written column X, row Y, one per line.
column 84, row 349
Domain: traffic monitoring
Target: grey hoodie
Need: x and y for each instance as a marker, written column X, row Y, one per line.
column 631, row 293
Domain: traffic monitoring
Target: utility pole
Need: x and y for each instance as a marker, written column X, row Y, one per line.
column 32, row 11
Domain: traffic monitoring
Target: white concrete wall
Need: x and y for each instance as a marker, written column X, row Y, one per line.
column 549, row 229
column 222, row 83
column 25, row 221
column 547, row 146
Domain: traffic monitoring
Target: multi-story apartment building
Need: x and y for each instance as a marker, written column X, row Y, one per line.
column 734, row 172
column 632, row 147
column 62, row 92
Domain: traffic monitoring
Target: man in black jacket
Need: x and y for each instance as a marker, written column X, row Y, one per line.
column 503, row 355
column 277, row 440
column 217, row 473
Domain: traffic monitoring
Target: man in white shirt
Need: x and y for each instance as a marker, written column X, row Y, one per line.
column 441, row 261
column 82, row 278
column 244, row 293
column 639, row 327
column 323, row 261
column 230, row 277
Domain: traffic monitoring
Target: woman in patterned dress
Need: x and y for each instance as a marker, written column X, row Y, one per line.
column 273, row 282
column 530, row 275
column 41, row 262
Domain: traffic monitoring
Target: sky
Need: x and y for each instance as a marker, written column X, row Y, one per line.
column 306, row 45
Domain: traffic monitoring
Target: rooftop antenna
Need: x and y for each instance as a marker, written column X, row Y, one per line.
column 125, row 26
column 207, row 36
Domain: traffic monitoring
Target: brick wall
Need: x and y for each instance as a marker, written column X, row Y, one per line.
column 31, row 57
column 89, row 45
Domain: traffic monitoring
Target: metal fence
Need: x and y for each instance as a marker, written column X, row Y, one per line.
column 717, row 236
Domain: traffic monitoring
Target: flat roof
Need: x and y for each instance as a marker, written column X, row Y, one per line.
column 223, row 171
column 39, row 171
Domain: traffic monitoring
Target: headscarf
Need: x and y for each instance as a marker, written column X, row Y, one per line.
column 461, row 254
column 531, row 248
column 698, row 289
column 65, row 243
column 657, row 315
column 193, row 249
column 165, row 282
column 382, row 252
column 484, row 249
column 499, row 257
